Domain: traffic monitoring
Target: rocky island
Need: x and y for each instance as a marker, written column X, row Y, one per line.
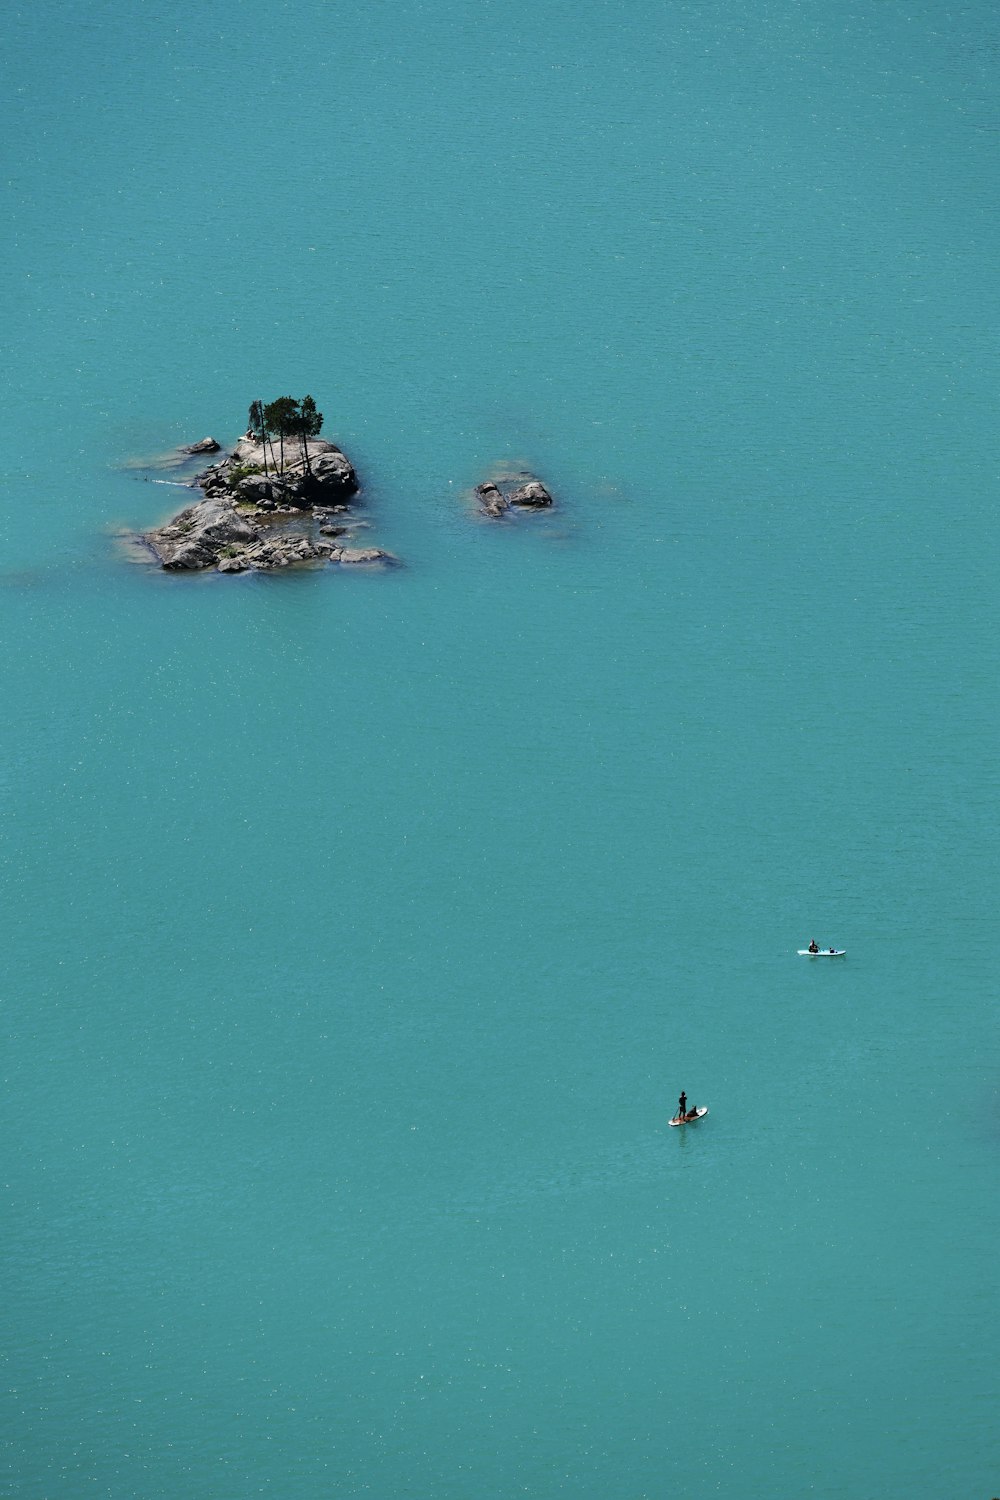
column 280, row 498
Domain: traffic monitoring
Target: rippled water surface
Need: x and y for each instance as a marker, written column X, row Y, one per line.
column 360, row 930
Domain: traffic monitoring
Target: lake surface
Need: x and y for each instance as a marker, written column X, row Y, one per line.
column 361, row 929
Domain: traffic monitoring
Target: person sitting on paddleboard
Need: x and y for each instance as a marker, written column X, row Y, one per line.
column 682, row 1106
column 814, row 946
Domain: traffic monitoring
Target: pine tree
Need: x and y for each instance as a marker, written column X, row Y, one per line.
column 310, row 421
column 280, row 417
column 257, row 428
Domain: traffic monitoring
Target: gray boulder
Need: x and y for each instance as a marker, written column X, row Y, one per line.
column 531, row 496
column 491, row 499
column 198, row 536
column 254, row 489
column 333, row 474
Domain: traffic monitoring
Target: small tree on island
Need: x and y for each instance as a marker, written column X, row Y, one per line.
column 280, row 417
column 308, row 424
column 257, row 428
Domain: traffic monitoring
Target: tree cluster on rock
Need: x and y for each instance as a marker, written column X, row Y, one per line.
column 281, row 418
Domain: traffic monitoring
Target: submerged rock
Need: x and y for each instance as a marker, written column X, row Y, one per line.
column 361, row 555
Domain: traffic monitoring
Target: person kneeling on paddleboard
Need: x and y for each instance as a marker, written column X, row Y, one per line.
column 813, row 946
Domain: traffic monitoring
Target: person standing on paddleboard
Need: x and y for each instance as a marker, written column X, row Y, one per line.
column 682, row 1105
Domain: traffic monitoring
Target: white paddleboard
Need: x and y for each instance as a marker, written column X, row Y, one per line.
column 698, row 1114
column 823, row 953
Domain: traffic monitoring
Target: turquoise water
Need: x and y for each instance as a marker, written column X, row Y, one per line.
column 361, row 931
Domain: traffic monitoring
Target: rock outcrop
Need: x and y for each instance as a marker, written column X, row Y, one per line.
column 492, row 501
column 531, row 496
column 322, row 475
column 262, row 515
column 292, row 551
column 202, row 534
column 497, row 497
